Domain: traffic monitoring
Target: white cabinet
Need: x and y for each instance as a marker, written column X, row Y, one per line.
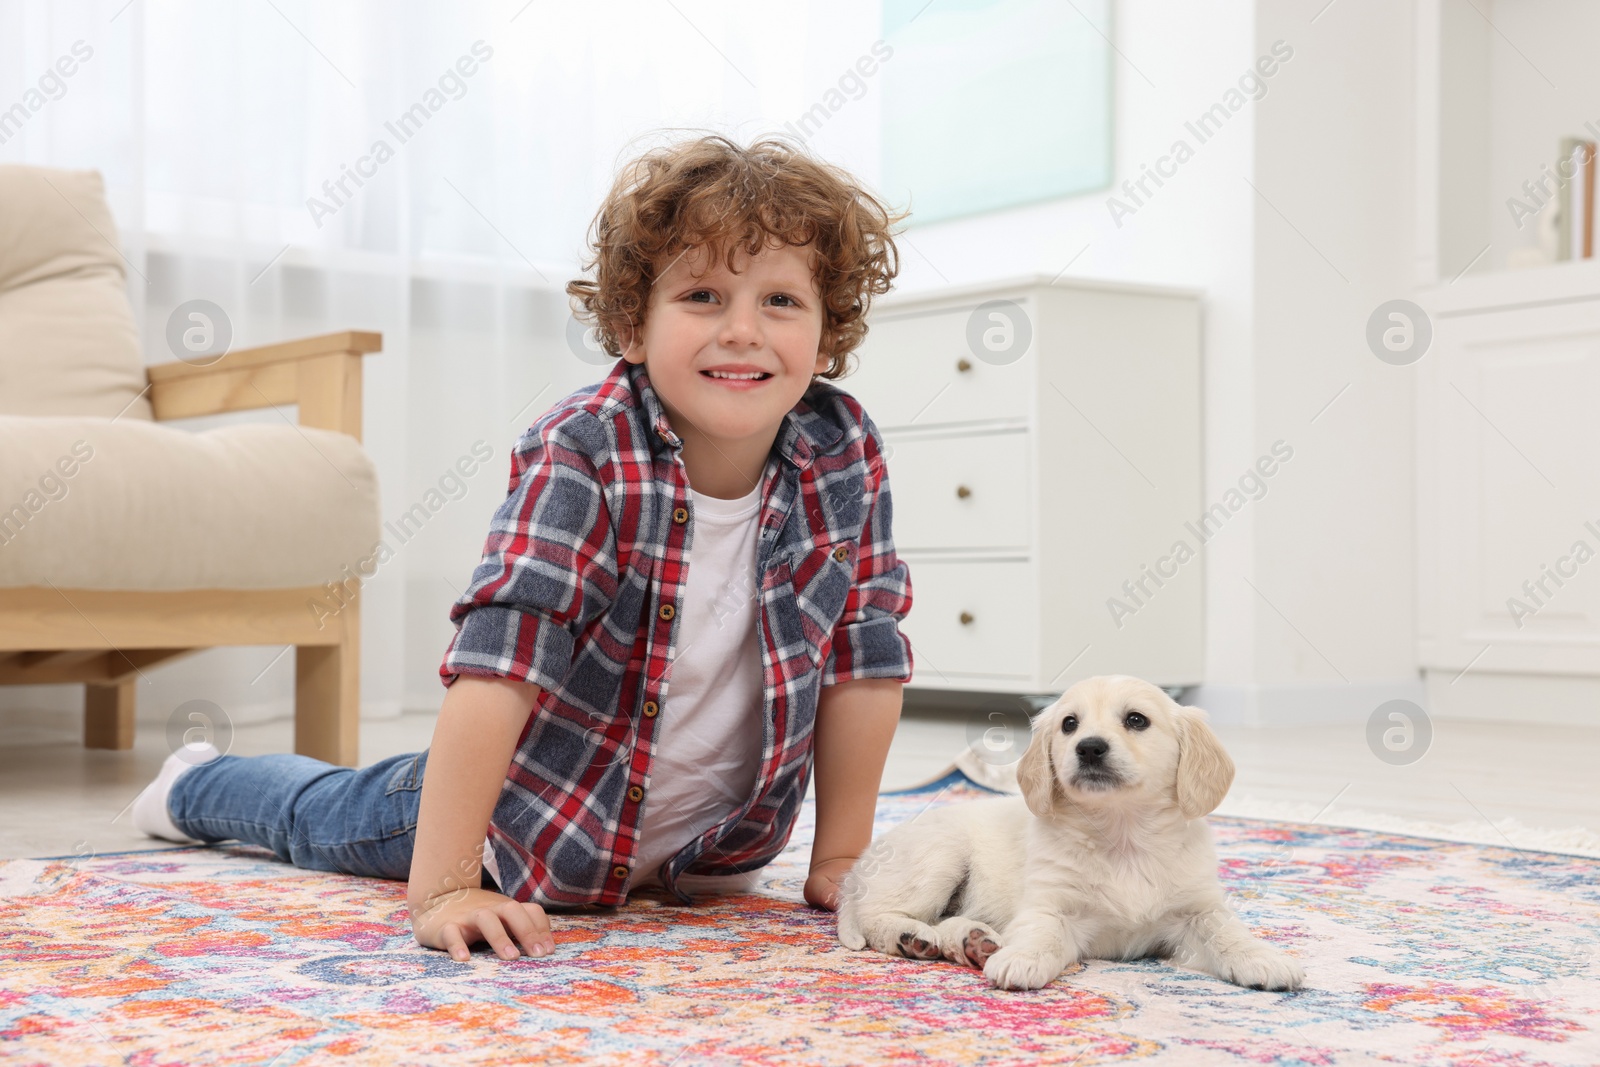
column 1509, row 495
column 961, row 490
column 1044, row 449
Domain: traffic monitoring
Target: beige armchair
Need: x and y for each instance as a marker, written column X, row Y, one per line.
column 125, row 543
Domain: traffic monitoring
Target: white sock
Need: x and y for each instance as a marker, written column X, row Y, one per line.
column 150, row 807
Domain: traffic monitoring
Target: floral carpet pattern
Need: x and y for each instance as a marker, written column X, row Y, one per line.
column 1417, row 952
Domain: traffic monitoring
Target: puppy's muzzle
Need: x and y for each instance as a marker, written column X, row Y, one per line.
column 1093, row 770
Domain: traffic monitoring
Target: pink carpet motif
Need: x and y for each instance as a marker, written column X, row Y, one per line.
column 1418, row 952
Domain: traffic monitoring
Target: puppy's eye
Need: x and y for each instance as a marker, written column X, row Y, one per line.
column 1135, row 721
column 1069, row 724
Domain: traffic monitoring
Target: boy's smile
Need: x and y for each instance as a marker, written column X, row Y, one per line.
column 730, row 353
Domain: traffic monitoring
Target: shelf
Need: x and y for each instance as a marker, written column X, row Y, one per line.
column 1557, row 283
column 1500, row 83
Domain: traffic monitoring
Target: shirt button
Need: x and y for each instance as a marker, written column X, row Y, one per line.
column 619, row 871
column 650, row 709
column 667, row 611
column 635, row 794
column 680, row 515
column 841, row 553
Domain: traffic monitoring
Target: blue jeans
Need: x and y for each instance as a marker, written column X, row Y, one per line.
column 312, row 814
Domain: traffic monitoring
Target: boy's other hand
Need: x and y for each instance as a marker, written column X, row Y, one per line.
column 822, row 884
column 456, row 921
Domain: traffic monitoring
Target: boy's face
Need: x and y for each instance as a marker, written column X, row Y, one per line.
column 731, row 353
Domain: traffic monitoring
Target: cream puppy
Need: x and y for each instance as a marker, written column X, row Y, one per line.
column 1114, row 862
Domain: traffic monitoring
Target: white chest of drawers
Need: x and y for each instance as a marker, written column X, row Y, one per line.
column 1042, row 452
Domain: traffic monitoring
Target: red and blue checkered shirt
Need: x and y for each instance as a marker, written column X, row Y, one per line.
column 579, row 589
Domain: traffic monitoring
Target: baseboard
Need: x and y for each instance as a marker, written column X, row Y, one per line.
column 1556, row 699
column 423, row 702
column 266, row 711
column 62, row 699
column 382, row 709
column 1315, row 704
column 67, row 700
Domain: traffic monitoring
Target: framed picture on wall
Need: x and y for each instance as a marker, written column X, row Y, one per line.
column 989, row 104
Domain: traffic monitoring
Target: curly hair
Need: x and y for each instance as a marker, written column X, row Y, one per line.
column 709, row 192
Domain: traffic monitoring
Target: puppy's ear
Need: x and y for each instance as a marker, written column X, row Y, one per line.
column 1205, row 770
column 1036, row 773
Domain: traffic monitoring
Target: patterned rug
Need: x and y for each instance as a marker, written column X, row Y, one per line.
column 1417, row 952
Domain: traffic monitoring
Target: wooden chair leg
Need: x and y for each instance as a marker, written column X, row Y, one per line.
column 327, row 695
column 108, row 714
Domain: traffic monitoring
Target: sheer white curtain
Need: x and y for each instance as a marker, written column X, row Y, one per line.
column 422, row 169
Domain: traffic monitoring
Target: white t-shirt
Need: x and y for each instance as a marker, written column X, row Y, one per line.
column 709, row 734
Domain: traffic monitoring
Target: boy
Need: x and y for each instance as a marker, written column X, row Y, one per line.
column 689, row 593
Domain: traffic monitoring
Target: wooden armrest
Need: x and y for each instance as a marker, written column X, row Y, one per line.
column 321, row 374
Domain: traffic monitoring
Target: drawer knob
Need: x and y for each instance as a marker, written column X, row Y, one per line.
column 963, row 365
column 966, row 618
column 963, row 492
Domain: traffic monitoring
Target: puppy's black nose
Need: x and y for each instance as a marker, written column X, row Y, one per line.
column 1092, row 749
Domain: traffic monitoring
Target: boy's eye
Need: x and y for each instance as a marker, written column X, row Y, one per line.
column 698, row 293
column 789, row 300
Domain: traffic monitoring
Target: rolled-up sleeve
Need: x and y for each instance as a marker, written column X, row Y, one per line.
column 867, row 642
column 549, row 564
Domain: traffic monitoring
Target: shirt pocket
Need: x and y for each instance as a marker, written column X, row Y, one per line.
column 809, row 591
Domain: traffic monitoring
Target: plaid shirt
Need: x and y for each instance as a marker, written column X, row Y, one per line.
column 578, row 591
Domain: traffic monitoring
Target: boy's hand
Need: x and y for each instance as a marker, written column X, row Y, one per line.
column 822, row 884
column 456, row 921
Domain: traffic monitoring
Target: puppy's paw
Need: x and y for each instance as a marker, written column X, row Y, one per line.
column 901, row 935
column 1014, row 967
column 916, row 946
column 967, row 941
column 979, row 944
column 1262, row 967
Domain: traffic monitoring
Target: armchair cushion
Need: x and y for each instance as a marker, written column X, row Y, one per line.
column 101, row 504
column 68, row 343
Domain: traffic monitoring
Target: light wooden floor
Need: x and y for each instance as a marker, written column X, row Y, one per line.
column 57, row 798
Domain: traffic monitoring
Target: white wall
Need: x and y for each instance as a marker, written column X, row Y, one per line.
column 469, row 341
column 1330, row 544
column 1196, row 230
column 1329, row 146
column 1334, row 620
